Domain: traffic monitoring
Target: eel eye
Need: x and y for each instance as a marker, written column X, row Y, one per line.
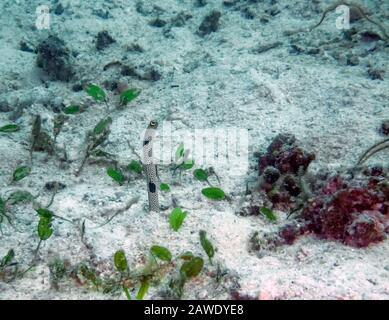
column 153, row 123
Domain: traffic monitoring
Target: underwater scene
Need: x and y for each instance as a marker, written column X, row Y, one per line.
column 194, row 150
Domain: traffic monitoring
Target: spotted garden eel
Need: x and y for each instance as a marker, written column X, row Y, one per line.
column 150, row 166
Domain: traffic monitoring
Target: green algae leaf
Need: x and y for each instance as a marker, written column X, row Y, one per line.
column 96, row 92
column 176, row 218
column 116, row 175
column 45, row 213
column 180, row 151
column 164, row 187
column 129, row 95
column 7, row 259
column 143, row 289
column 73, row 109
column 21, row 173
column 213, row 193
column 102, row 126
column 187, row 165
column 207, row 245
column 135, row 166
column 44, row 228
column 161, row 253
column 193, row 267
column 2, row 208
column 20, row 196
column 268, row 213
column 120, row 261
column 127, row 293
column 9, row 128
column 200, row 174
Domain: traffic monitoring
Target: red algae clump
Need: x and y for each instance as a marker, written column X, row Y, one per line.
column 350, row 207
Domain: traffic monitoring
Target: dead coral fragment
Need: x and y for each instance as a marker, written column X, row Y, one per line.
column 210, row 23
column 281, row 170
column 103, row 40
column 53, row 57
column 356, row 216
column 284, row 155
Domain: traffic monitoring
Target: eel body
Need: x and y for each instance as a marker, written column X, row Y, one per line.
column 151, row 167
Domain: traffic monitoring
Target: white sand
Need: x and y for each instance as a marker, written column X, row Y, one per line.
column 333, row 109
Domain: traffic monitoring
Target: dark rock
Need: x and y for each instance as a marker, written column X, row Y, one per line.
column 110, row 84
column 59, row 9
column 151, row 75
column 134, row 47
column 5, row 106
column 210, row 23
column 128, row 71
column 290, row 185
column 103, row 40
column 200, row 3
column 25, row 47
column 230, row 3
column 376, row 74
column 370, row 36
column 271, row 174
column 53, row 58
column 248, row 13
column 157, row 23
column 355, row 15
column 77, row 87
column 385, row 128
column 54, row 185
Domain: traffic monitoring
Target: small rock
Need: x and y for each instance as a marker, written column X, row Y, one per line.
column 248, row 13
column 210, row 23
column 368, row 36
column 59, row 9
column 129, row 71
column 77, row 87
column 376, row 74
column 103, row 40
column 53, row 57
column 54, row 185
column 200, row 3
column 157, row 23
column 384, row 130
column 229, row 3
column 151, row 75
column 264, row 19
column 355, row 15
column 134, row 47
column 25, row 47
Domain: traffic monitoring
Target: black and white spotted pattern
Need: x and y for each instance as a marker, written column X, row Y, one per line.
column 151, row 167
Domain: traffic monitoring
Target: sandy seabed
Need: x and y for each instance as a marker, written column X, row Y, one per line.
column 253, row 73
